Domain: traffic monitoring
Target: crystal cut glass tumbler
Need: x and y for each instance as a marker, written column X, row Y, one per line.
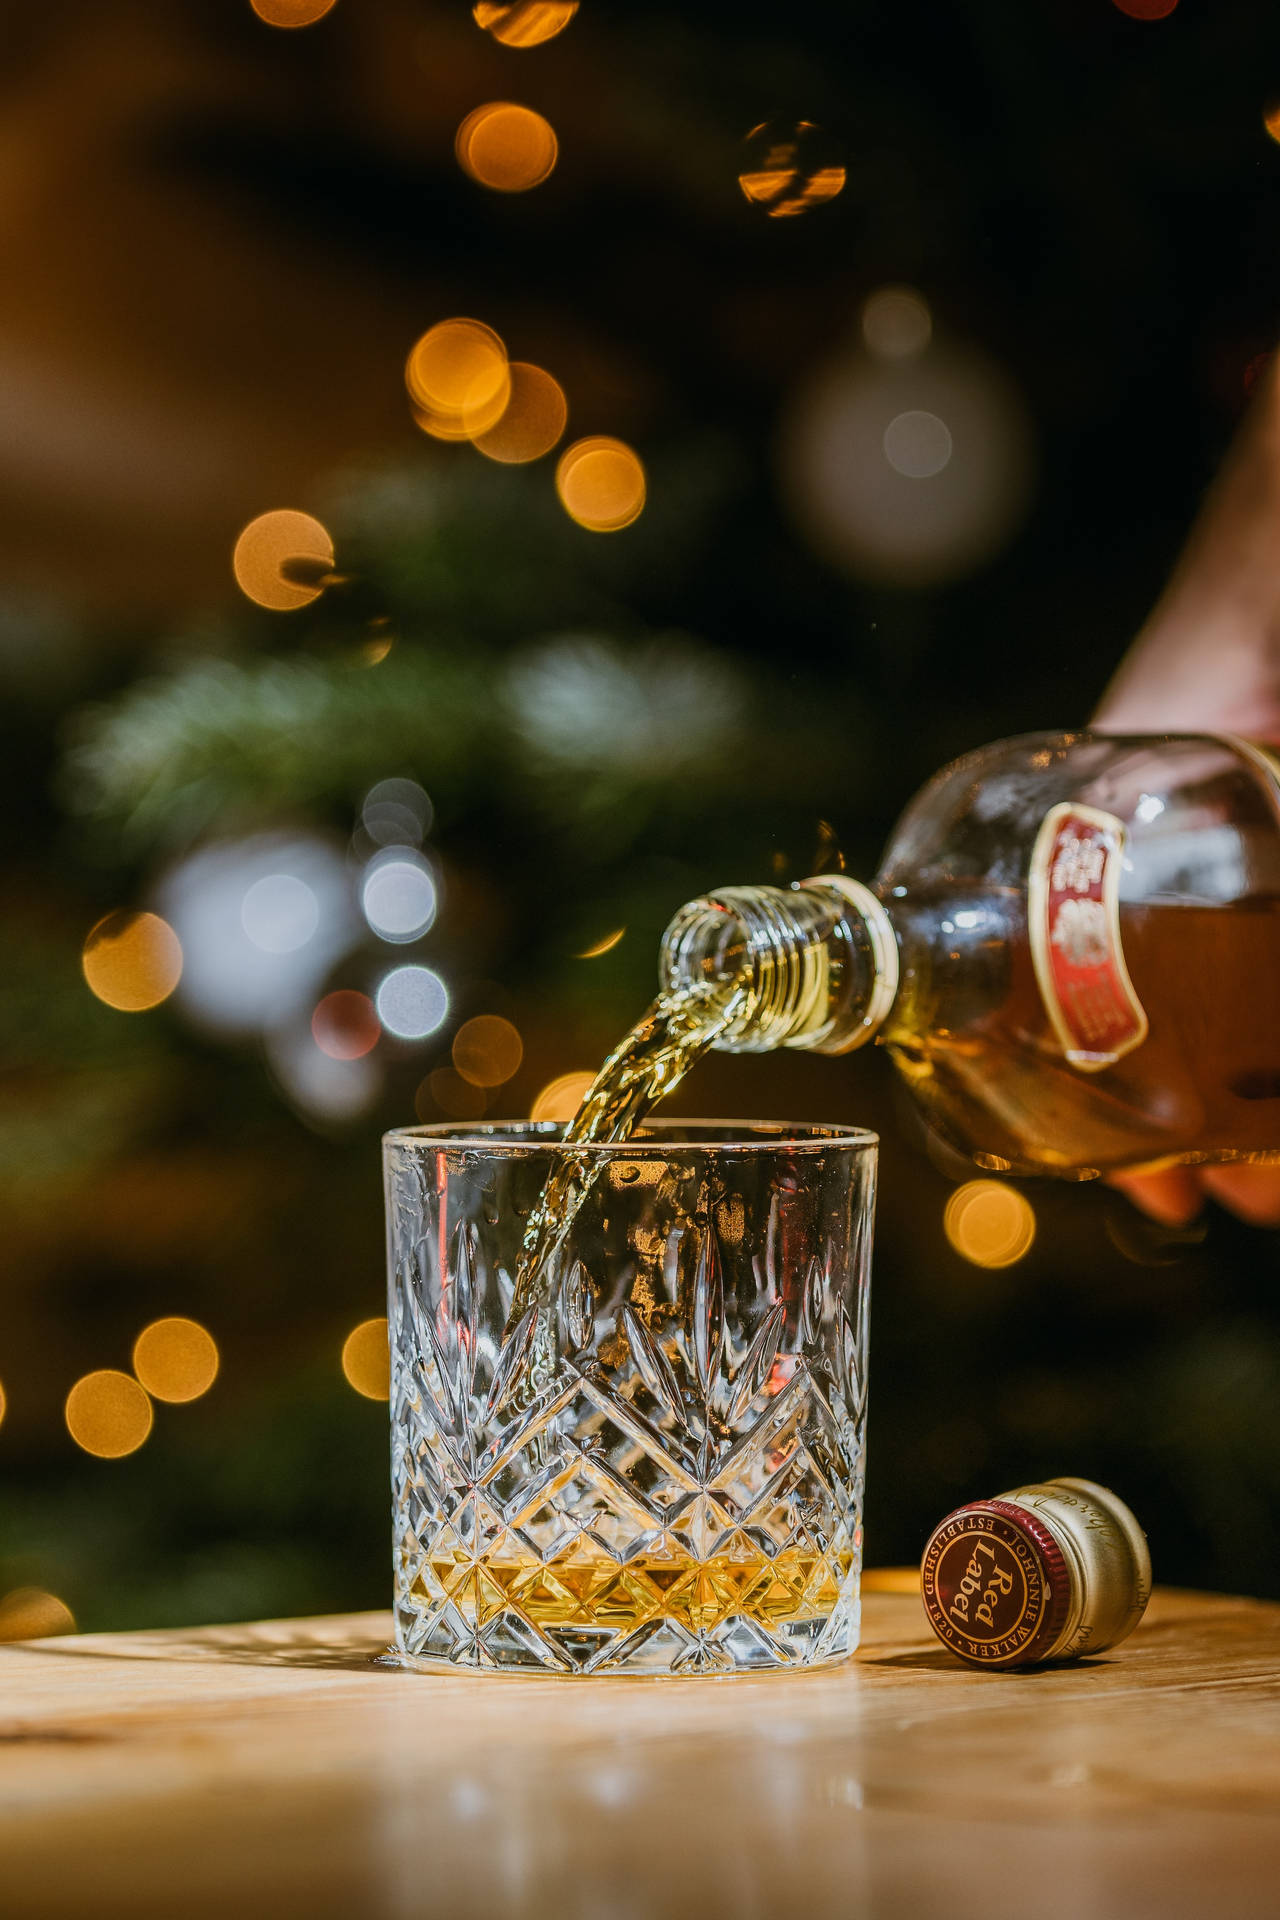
column 653, row 1462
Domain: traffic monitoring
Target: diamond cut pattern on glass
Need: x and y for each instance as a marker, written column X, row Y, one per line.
column 669, row 1481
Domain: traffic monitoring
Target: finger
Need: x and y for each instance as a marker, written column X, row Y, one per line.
column 1172, row 1196
column 1251, row 1192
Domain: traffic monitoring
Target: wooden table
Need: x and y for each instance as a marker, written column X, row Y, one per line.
column 272, row 1770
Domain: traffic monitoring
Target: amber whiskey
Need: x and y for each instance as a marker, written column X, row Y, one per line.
column 590, row 1589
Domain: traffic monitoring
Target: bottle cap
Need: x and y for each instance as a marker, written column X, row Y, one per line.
column 1048, row 1572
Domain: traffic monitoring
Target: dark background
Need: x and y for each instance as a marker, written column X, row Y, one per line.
column 219, row 241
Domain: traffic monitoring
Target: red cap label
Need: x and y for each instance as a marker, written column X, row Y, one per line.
column 1073, row 915
column 994, row 1593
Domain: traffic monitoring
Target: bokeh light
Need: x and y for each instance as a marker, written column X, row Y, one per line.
column 396, row 813
column 506, row 146
column 175, row 1359
column 399, row 895
column 447, row 1090
column 526, row 24
column 561, row 1097
column 280, row 913
column 1146, row 9
column 108, row 1414
column 324, row 1089
column 896, row 323
column 29, row 1613
column 533, row 420
column 344, row 1025
column 989, row 1223
column 3, row 1402
column 912, row 470
column 280, row 560
column 475, row 419
column 366, row 1360
column 241, row 974
column 917, row 444
column 132, row 961
column 601, row 484
column 292, row 13
column 790, row 166
column 604, row 946
column 412, row 1002
column 487, row 1050
column 457, row 379
column 1271, row 120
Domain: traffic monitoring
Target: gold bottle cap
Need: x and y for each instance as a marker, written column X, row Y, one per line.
column 1048, row 1572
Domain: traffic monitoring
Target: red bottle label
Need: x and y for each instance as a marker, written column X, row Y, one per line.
column 1073, row 913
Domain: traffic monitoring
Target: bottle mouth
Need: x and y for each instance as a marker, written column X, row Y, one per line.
column 762, row 941
column 817, row 963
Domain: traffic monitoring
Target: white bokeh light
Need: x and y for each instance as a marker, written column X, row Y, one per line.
column 280, row 913
column 396, row 813
column 917, row 444
column 412, row 1002
column 399, row 896
column 315, row 1083
column 223, row 899
column 907, row 470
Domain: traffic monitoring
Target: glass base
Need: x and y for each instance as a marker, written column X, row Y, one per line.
column 578, row 1643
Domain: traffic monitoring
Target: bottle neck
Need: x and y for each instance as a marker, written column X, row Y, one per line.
column 819, row 962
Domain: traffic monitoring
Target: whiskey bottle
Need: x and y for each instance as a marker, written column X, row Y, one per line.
column 1071, row 953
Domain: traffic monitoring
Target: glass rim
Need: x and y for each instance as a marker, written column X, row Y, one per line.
column 540, row 1136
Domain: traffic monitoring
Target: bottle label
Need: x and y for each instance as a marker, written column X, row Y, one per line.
column 995, row 1585
column 1073, row 914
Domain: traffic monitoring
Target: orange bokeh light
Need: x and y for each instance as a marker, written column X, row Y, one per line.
column 526, row 24
column 533, row 421
column 108, row 1414
column 458, row 379
column 601, row 484
column 487, row 1050
column 1271, row 120
column 507, row 147
column 345, row 1025
column 29, row 1613
column 561, row 1097
column 280, row 559
column 1147, row 9
column 790, row 168
column 989, row 1223
column 292, row 13
column 175, row 1359
column 366, row 1360
column 132, row 961
column 447, row 1091
column 604, row 946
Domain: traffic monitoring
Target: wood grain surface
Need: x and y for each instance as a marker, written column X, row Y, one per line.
column 273, row 1770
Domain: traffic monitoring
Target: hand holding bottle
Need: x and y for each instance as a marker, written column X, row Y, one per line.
column 1208, row 660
